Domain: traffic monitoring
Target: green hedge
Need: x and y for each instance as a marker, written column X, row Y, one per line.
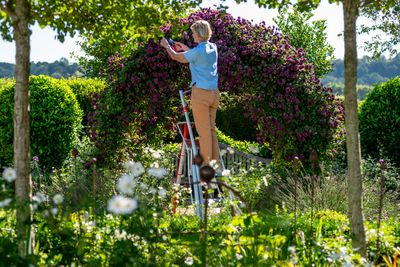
column 55, row 120
column 380, row 121
column 84, row 89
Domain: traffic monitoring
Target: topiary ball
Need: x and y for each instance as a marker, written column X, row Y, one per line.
column 380, row 121
column 55, row 121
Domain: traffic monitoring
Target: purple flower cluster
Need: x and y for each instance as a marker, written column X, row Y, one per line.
column 284, row 98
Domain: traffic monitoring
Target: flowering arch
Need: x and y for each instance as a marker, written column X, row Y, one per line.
column 283, row 98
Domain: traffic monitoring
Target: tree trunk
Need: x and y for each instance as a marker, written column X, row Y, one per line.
column 23, row 189
column 350, row 13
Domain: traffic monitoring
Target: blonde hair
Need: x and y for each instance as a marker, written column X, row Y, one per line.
column 202, row 29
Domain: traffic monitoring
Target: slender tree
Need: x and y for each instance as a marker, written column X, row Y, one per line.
column 351, row 10
column 66, row 17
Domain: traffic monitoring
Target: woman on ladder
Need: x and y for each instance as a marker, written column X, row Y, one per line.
column 202, row 61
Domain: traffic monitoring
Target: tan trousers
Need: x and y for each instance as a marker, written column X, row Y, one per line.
column 204, row 107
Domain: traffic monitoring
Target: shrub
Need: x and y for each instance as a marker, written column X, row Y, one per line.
column 280, row 93
column 55, row 120
column 85, row 90
column 380, row 122
column 232, row 121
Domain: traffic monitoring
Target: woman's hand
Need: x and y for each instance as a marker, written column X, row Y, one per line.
column 164, row 43
column 181, row 47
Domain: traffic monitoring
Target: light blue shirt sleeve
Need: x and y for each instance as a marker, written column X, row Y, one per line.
column 191, row 55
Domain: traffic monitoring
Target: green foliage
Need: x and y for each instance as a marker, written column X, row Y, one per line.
column 125, row 29
column 55, row 121
column 380, row 122
column 371, row 171
column 231, row 119
column 385, row 15
column 85, row 90
column 309, row 36
column 245, row 146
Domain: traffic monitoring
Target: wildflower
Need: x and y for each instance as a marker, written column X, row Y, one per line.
column 126, row 184
column 238, row 256
column 157, row 172
column 226, row 173
column 162, row 192
column 222, row 152
column 189, row 261
column 58, row 199
column 213, row 163
column 254, row 149
column 120, row 235
column 39, row 198
column 292, row 249
column 35, row 159
column 153, row 191
column 122, row 205
column 134, row 168
column 54, row 211
column 143, row 186
column 5, row 202
column 9, row 174
column 157, row 154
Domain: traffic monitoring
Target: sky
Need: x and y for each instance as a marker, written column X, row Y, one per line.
column 45, row 48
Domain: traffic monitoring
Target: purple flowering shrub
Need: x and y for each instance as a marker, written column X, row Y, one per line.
column 283, row 97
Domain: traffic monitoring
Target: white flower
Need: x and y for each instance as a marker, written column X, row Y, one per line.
column 120, row 235
column 39, row 198
column 153, row 191
column 213, row 163
column 189, row 261
column 238, row 256
column 126, row 184
column 222, row 152
column 292, row 249
column 162, row 192
column 54, row 211
column 135, row 168
column 58, row 199
column 5, row 202
column 122, row 205
column 254, row 149
column 143, row 186
column 157, row 172
column 226, row 173
column 157, row 154
column 9, row 174
column 164, row 237
column 155, row 165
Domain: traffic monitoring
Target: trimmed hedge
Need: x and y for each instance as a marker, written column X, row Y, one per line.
column 85, row 90
column 55, row 120
column 380, row 121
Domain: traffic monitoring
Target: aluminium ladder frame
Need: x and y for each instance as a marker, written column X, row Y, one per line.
column 195, row 170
